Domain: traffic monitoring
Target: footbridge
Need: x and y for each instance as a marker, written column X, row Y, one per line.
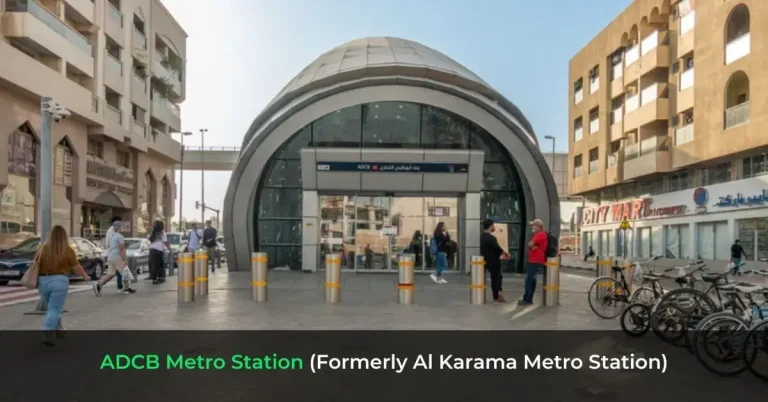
column 213, row 158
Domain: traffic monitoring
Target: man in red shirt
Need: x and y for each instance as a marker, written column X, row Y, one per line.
column 537, row 259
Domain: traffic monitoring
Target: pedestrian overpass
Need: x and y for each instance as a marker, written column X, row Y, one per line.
column 211, row 158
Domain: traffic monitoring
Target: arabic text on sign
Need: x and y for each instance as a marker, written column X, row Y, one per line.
column 739, row 199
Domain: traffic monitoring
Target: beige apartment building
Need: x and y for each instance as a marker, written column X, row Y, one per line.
column 119, row 67
column 681, row 156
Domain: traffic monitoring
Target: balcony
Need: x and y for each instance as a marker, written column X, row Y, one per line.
column 139, row 129
column 615, row 170
column 578, row 134
column 617, row 84
column 113, row 73
column 737, row 49
column 686, row 40
column 114, row 24
column 594, row 166
column 684, row 135
column 648, row 157
column 113, row 115
column 652, row 108
column 617, row 128
column 166, row 74
column 164, row 145
column 106, row 176
column 139, row 40
column 594, row 125
column 33, row 25
column 594, row 85
column 737, row 115
column 83, row 7
column 631, row 55
column 686, row 79
column 578, row 96
column 165, row 111
column 685, row 96
column 632, row 103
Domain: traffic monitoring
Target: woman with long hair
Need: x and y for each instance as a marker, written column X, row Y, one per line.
column 158, row 243
column 57, row 260
column 441, row 239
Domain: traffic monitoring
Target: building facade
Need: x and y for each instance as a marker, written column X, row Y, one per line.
column 647, row 133
column 369, row 148
column 118, row 67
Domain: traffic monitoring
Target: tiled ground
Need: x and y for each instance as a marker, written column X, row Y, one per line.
column 296, row 301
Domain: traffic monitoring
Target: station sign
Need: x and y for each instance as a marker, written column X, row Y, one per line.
column 395, row 167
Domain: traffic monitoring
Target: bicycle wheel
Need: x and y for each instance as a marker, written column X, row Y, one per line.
column 692, row 302
column 720, row 342
column 636, row 320
column 670, row 324
column 644, row 295
column 755, row 352
column 607, row 297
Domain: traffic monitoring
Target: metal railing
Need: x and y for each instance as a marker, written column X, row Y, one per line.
column 686, row 79
column 737, row 115
column 684, row 134
column 631, row 151
column 139, row 39
column 114, row 14
column 213, row 148
column 113, row 63
column 737, row 48
column 114, row 114
column 48, row 18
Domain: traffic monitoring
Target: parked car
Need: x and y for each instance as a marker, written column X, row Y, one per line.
column 137, row 251
column 15, row 261
column 177, row 243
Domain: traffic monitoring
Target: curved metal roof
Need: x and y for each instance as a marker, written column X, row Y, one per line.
column 378, row 57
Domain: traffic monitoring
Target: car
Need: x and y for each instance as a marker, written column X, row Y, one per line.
column 177, row 243
column 15, row 261
column 137, row 251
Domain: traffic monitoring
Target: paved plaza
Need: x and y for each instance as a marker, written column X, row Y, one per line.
column 296, row 301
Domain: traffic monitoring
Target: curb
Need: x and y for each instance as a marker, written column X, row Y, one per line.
column 579, row 268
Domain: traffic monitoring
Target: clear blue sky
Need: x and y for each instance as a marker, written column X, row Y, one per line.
column 242, row 52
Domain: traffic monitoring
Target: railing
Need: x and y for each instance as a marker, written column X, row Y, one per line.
column 687, row 23
column 618, row 71
column 48, row 18
column 649, row 43
column 631, row 55
column 114, row 14
column 139, row 81
column 686, row 79
column 139, row 128
column 577, row 171
column 653, row 145
column 594, row 166
column 684, row 134
column 649, row 94
column 737, row 115
column 139, row 39
column 632, row 103
column 578, row 96
column 631, row 151
column 617, row 115
column 737, row 48
column 194, row 148
column 613, row 159
column 594, row 125
column 578, row 134
column 113, row 114
column 594, row 84
column 113, row 63
column 159, row 100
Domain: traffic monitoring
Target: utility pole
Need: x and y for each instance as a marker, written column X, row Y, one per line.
column 202, row 174
column 181, row 182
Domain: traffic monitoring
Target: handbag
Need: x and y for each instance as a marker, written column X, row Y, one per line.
column 30, row 278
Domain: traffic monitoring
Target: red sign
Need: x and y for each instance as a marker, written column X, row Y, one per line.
column 630, row 210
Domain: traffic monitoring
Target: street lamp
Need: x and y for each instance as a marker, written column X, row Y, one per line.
column 202, row 175
column 50, row 111
column 181, row 181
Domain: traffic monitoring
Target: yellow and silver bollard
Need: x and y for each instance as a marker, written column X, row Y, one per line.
column 186, row 281
column 603, row 269
column 627, row 265
column 405, row 279
column 201, row 273
column 552, row 282
column 477, row 282
column 332, row 278
column 259, row 277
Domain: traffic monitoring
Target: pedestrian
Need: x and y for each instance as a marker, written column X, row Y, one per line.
column 56, row 260
column 416, row 247
column 590, row 253
column 439, row 247
column 492, row 255
column 193, row 239
column 110, row 231
column 537, row 259
column 117, row 261
column 209, row 240
column 737, row 251
column 158, row 243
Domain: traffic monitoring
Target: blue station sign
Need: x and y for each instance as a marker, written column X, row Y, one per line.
column 392, row 167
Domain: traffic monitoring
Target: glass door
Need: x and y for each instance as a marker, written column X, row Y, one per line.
column 408, row 229
column 373, row 234
column 443, row 210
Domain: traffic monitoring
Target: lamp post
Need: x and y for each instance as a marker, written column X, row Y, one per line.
column 202, row 174
column 181, row 181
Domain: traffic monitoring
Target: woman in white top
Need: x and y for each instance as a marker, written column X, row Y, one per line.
column 158, row 242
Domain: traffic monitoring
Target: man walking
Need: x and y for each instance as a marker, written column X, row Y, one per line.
column 193, row 239
column 209, row 240
column 537, row 259
column 493, row 254
column 116, row 261
column 110, row 232
column 737, row 251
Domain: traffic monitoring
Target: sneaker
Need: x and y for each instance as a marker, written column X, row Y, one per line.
column 442, row 281
column 434, row 278
column 523, row 303
column 129, row 291
column 97, row 289
column 501, row 299
column 157, row 282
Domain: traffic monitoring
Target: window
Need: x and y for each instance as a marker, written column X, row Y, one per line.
column 677, row 243
column 391, row 125
column 645, row 242
column 578, row 130
column 714, row 175
column 657, row 248
column 577, row 166
column 594, row 79
column 96, row 149
column 441, row 129
column 341, row 128
column 594, row 120
column 753, row 235
column 594, row 163
column 714, row 242
column 652, row 187
column 578, row 85
column 754, row 166
column 606, row 241
column 124, row 159
column 679, row 181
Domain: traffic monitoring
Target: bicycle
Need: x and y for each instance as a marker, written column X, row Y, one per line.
column 617, row 291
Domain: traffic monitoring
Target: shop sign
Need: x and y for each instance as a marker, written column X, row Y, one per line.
column 740, row 200
column 386, row 167
column 630, row 210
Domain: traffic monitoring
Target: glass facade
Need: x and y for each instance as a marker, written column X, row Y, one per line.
column 383, row 125
column 753, row 235
column 18, row 200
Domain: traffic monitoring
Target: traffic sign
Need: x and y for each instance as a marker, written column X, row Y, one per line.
column 625, row 225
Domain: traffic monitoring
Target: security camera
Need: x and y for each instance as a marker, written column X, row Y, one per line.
column 61, row 114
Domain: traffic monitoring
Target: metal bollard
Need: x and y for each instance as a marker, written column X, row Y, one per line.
column 603, row 269
column 477, row 280
column 201, row 273
column 170, row 261
column 405, row 279
column 332, row 278
column 627, row 265
column 186, row 279
column 552, row 282
column 259, row 276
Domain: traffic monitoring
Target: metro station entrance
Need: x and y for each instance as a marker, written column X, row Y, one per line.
column 371, row 232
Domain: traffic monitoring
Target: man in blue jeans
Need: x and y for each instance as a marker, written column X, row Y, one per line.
column 442, row 240
column 537, row 260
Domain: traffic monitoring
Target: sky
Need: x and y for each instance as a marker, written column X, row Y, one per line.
column 241, row 53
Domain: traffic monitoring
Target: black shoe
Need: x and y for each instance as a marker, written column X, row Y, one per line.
column 157, row 282
column 120, row 285
column 129, row 291
column 524, row 303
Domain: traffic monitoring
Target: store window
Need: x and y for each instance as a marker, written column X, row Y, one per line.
column 753, row 236
column 714, row 242
column 714, row 174
column 589, row 241
column 650, row 242
column 606, row 240
column 657, row 247
column 754, row 166
column 679, row 181
column 677, row 244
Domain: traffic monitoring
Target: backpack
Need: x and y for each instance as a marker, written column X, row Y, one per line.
column 433, row 246
column 552, row 244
